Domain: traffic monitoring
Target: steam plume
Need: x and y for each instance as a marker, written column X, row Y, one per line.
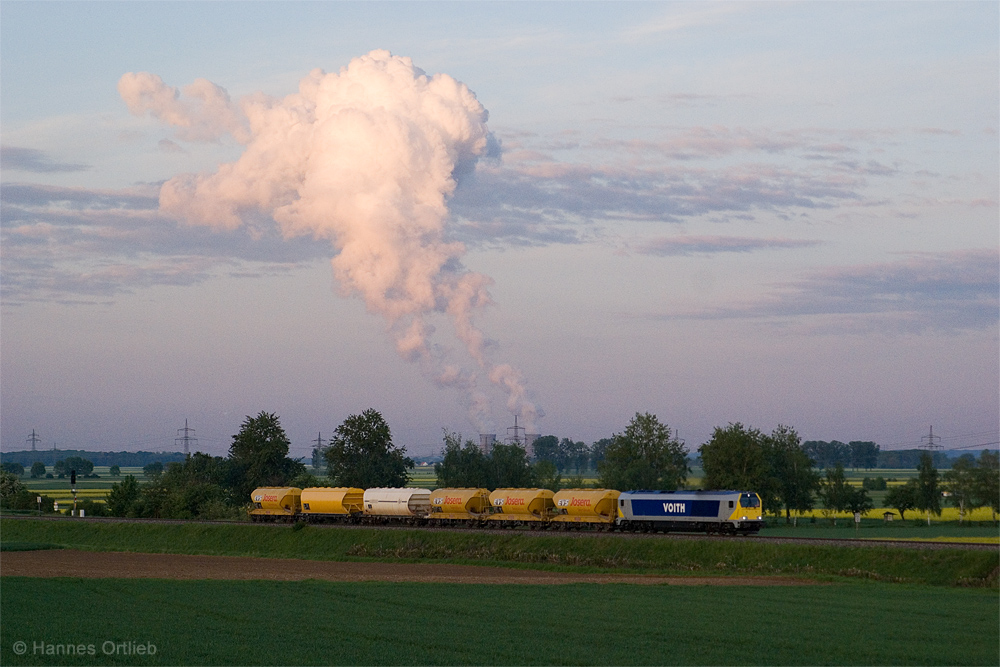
column 367, row 159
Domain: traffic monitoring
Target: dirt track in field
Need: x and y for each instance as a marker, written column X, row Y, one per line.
column 70, row 563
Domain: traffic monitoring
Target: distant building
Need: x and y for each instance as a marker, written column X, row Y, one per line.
column 486, row 441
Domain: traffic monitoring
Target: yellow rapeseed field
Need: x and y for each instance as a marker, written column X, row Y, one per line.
column 947, row 514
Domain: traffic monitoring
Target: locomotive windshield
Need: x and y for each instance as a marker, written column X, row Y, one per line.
column 749, row 500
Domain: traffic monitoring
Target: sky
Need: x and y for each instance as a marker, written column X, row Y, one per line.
column 455, row 213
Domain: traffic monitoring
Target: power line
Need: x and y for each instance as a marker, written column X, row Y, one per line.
column 985, row 444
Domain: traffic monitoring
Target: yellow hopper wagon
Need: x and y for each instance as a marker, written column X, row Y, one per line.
column 275, row 503
column 332, row 503
column 514, row 507
column 450, row 506
column 579, row 508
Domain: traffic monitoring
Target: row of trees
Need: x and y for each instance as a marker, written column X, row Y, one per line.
column 361, row 454
column 204, row 486
column 968, row 484
column 570, row 455
column 855, row 454
column 646, row 455
column 62, row 467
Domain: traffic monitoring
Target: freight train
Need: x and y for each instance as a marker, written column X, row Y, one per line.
column 730, row 512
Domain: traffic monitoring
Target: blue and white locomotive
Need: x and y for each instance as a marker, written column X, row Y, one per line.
column 701, row 511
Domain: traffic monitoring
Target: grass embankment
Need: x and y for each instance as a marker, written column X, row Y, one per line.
column 620, row 553
column 311, row 622
column 876, row 529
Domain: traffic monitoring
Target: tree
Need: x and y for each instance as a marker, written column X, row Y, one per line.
column 572, row 455
column 81, row 465
column 927, row 497
column 987, row 489
column 361, row 454
column 835, row 492
column 547, row 475
column 318, row 457
column 10, row 487
column 863, row 454
column 794, row 479
column 123, row 496
column 114, row 471
column 828, row 454
column 546, row 448
column 902, row 498
column 259, row 455
column 37, row 470
column 153, row 470
column 200, row 487
column 960, row 483
column 736, row 458
column 858, row 501
column 462, row 467
column 13, row 468
column 597, row 452
column 509, row 468
column 645, row 456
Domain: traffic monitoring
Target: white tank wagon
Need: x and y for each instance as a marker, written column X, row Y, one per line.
column 386, row 504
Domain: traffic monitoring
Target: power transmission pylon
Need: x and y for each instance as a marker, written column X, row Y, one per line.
column 186, row 439
column 318, row 449
column 930, row 441
column 34, row 440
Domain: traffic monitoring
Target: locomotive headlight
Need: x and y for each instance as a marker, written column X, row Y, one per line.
column 744, row 518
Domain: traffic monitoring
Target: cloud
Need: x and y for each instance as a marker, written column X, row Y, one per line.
column 168, row 146
column 75, row 245
column 537, row 203
column 947, row 291
column 204, row 113
column 366, row 159
column 18, row 158
column 703, row 245
column 684, row 17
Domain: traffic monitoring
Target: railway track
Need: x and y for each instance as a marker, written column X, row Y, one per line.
column 582, row 534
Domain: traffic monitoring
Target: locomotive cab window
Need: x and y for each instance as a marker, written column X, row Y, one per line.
column 749, row 500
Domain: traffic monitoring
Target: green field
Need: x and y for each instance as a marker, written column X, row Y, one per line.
column 311, row 622
column 606, row 553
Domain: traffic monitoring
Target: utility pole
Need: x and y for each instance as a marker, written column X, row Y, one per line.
column 34, row 440
column 186, row 438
